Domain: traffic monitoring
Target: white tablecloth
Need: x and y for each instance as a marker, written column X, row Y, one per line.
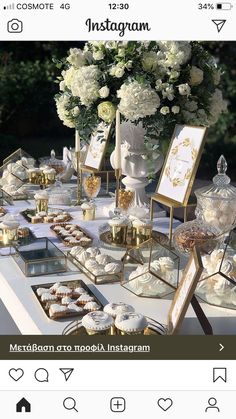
column 19, row 300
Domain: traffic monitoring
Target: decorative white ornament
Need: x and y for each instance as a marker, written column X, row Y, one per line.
column 133, row 161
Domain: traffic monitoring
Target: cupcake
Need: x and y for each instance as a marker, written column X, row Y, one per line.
column 131, row 323
column 97, row 322
column 113, row 309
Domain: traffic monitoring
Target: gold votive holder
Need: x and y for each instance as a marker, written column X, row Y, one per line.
column 119, row 234
column 89, row 214
column 142, row 234
column 41, row 201
column 9, row 232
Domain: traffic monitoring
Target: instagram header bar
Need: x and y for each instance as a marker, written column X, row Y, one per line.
column 103, row 20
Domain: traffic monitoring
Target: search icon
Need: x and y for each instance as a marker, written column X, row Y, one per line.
column 70, row 404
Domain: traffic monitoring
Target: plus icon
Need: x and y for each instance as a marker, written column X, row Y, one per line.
column 117, row 404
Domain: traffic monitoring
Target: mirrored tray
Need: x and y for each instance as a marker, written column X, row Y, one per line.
column 154, row 328
column 106, row 237
column 29, row 213
column 72, row 285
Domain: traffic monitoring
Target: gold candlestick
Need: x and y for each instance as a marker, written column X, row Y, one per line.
column 79, row 185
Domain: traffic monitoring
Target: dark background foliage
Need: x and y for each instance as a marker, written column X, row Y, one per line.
column 28, row 117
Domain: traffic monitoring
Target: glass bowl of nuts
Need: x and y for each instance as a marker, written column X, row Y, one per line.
column 196, row 233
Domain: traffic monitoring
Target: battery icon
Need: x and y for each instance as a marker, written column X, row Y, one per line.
column 224, row 6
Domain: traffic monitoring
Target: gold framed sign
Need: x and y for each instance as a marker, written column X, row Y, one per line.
column 185, row 291
column 181, row 163
column 97, row 147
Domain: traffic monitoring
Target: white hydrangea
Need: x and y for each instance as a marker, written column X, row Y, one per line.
column 137, row 100
column 85, row 84
column 196, row 76
column 68, row 76
column 62, row 104
column 76, row 58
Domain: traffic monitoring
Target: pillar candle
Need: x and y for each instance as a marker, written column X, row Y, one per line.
column 77, row 141
column 117, row 156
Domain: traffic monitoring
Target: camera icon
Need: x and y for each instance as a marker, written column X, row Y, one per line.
column 15, row 26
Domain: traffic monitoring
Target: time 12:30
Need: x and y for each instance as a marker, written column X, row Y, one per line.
column 118, row 6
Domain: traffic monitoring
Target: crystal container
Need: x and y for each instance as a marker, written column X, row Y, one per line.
column 217, row 285
column 196, row 233
column 216, row 203
column 40, row 257
column 151, row 271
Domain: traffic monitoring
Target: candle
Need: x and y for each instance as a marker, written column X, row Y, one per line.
column 77, row 141
column 117, row 156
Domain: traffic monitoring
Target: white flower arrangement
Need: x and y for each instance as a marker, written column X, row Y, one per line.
column 156, row 83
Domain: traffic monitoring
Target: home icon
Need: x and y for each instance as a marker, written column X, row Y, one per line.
column 23, row 406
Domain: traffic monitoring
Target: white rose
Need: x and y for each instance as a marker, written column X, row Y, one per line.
column 98, row 55
column 158, row 85
column 165, row 110
column 175, row 109
column 196, row 76
column 184, row 89
column 119, row 72
column 104, row 92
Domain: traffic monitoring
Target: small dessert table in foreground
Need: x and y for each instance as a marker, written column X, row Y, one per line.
column 22, row 305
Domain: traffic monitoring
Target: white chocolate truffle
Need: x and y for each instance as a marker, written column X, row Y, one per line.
column 104, row 259
column 166, row 264
column 83, row 257
column 91, row 264
column 93, row 251
column 113, row 267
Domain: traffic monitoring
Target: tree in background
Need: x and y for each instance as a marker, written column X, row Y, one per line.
column 28, row 117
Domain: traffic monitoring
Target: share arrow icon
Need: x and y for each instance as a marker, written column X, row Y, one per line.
column 219, row 23
column 67, row 372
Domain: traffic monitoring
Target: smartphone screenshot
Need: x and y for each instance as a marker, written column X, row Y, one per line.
column 117, row 209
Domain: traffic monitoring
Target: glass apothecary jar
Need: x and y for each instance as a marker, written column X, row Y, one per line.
column 151, row 271
column 216, row 203
column 217, row 285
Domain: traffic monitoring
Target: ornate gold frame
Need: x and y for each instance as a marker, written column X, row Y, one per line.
column 171, row 203
column 194, row 170
column 173, row 329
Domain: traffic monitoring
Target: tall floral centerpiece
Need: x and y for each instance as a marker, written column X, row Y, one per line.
column 157, row 84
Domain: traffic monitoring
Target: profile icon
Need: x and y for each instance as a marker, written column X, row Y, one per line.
column 212, row 402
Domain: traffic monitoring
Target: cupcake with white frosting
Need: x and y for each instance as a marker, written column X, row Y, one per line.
column 131, row 323
column 97, row 322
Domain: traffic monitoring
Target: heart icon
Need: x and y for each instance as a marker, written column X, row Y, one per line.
column 16, row 374
column 165, row 404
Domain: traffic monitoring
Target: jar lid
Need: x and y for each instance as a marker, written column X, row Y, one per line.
column 54, row 163
column 221, row 187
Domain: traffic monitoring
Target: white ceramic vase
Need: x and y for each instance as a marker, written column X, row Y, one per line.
column 134, row 161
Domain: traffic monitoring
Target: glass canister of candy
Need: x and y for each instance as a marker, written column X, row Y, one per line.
column 216, row 203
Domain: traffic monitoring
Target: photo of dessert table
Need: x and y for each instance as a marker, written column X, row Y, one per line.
column 20, row 304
